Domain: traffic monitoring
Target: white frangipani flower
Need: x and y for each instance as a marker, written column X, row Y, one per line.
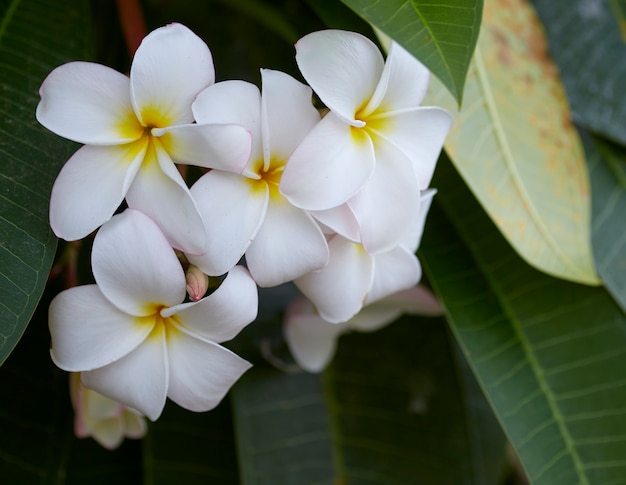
column 313, row 341
column 354, row 278
column 134, row 129
column 130, row 335
column 376, row 148
column 247, row 213
column 105, row 420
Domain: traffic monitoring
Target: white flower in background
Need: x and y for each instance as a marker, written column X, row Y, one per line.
column 134, row 129
column 132, row 338
column 105, row 420
column 247, row 213
column 354, row 278
column 313, row 341
column 376, row 148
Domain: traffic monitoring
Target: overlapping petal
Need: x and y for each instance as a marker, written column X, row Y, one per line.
column 232, row 211
column 329, row 167
column 91, row 186
column 396, row 270
column 288, row 245
column 388, row 202
column 88, row 332
column 413, row 235
column 343, row 68
column 339, row 289
column 160, row 192
column 134, row 265
column 201, row 371
column 139, row 379
column 340, row 220
column 221, row 315
column 171, row 66
column 88, row 103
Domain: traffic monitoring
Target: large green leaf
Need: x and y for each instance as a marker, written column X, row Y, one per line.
column 608, row 184
column 394, row 407
column 442, row 36
column 35, row 37
column 516, row 148
column 548, row 353
column 586, row 44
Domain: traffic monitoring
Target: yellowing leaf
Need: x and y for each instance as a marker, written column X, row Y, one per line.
column 515, row 146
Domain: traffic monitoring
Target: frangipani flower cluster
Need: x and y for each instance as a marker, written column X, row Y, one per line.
column 335, row 203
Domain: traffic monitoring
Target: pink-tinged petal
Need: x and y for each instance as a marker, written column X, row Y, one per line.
column 312, row 341
column 343, row 68
column 134, row 265
column 88, row 103
column 288, row 114
column 232, row 102
column 221, row 315
column 339, row 220
column 223, row 147
column 418, row 300
column 395, row 270
column 201, row 371
column 388, row 202
column 419, row 133
column 138, row 380
column 331, row 165
column 91, row 186
column 134, row 424
column 288, row 245
column 374, row 317
column 88, row 332
column 403, row 83
column 413, row 235
column 233, row 208
column 160, row 192
column 338, row 290
column 171, row 66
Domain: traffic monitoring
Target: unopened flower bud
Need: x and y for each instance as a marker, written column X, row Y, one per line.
column 197, row 283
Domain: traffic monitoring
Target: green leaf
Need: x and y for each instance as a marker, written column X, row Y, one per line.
column 516, row 148
column 35, row 37
column 548, row 353
column 586, row 44
column 394, row 407
column 608, row 184
column 442, row 36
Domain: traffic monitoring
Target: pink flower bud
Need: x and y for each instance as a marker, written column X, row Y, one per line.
column 197, row 282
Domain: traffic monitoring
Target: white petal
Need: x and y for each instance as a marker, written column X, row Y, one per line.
column 134, row 265
column 224, row 147
column 413, row 235
column 288, row 245
column 288, row 114
column 138, row 380
column 340, row 220
column 134, row 424
column 419, row 133
column 171, row 66
column 403, row 83
column 160, row 192
column 201, row 371
column 312, row 341
column 91, row 186
column 388, row 202
column 343, row 68
column 88, row 103
column 374, row 317
column 395, row 270
column 339, row 289
column 332, row 164
column 221, row 315
column 232, row 102
column 88, row 332
column 418, row 300
column 232, row 210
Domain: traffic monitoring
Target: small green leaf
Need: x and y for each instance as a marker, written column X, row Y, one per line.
column 516, row 148
column 548, row 353
column 586, row 44
column 441, row 35
column 35, row 37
